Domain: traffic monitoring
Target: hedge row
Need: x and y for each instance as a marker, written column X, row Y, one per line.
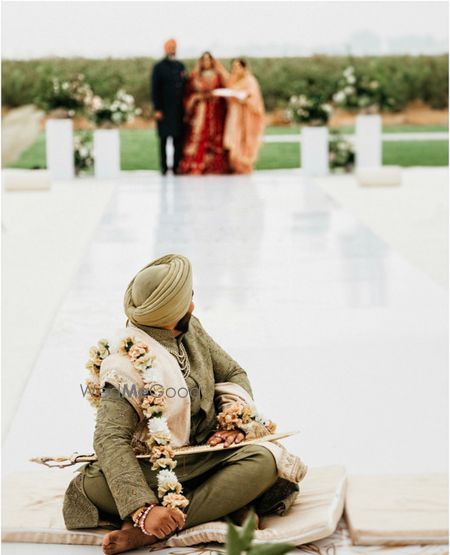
column 405, row 78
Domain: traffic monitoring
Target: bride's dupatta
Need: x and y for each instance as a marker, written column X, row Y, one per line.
column 244, row 125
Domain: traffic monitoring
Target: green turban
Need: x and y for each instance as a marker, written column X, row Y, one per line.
column 160, row 294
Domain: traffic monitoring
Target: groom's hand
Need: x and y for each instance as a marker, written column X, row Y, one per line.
column 227, row 437
column 162, row 521
column 159, row 116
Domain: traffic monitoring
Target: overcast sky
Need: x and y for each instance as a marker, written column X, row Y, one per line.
column 121, row 29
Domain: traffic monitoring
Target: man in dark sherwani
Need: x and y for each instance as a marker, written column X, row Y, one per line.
column 167, row 86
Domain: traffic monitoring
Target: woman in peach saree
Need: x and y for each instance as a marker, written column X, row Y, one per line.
column 244, row 124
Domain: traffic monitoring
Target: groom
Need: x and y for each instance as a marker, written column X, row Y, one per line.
column 167, row 89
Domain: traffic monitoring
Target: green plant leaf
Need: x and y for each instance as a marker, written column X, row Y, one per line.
column 248, row 530
column 233, row 540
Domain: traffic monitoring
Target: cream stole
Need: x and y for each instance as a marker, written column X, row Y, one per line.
column 117, row 370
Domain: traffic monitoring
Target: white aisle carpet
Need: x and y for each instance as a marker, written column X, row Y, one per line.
column 412, row 218
column 44, row 236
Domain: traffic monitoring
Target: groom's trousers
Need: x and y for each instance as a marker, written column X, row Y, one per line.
column 177, row 145
column 215, row 483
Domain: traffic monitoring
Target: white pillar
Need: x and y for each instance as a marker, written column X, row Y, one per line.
column 107, row 153
column 59, row 148
column 314, row 154
column 368, row 143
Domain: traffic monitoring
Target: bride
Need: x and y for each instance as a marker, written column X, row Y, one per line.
column 203, row 150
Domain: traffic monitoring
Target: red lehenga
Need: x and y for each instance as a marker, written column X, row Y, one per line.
column 203, row 150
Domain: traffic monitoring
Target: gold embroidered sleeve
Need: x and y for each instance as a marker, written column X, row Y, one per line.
column 114, row 429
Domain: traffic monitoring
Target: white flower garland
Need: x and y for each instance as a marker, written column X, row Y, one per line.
column 153, row 407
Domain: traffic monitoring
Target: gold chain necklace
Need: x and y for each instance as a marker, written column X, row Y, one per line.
column 182, row 359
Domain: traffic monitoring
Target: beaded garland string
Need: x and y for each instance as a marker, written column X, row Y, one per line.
column 153, row 406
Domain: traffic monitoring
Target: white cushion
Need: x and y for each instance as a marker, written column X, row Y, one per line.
column 33, row 513
column 397, row 509
column 384, row 176
column 26, row 180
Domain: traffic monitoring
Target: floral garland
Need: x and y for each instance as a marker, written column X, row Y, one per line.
column 239, row 416
column 153, row 407
column 97, row 354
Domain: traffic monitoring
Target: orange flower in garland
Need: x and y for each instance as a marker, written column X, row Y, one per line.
column 175, row 500
column 234, row 416
column 93, row 392
column 153, row 406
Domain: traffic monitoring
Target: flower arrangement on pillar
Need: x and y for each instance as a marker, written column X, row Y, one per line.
column 313, row 112
column 363, row 94
column 108, row 115
column 62, row 100
column 341, row 153
column 83, row 152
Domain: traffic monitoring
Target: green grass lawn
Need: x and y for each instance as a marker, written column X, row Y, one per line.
column 139, row 151
column 33, row 157
column 282, row 130
column 416, row 153
column 292, row 129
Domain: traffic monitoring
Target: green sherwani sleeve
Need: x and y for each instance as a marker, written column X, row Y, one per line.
column 114, row 429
